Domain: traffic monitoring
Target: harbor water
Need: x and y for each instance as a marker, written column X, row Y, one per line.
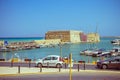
column 66, row 49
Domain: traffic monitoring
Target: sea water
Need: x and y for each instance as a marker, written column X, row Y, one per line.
column 65, row 50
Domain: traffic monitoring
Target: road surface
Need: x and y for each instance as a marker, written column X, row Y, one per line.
column 82, row 75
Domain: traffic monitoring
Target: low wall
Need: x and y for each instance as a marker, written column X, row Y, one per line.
column 47, row 42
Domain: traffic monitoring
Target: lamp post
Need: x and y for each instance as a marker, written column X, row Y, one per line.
column 60, row 49
column 60, row 44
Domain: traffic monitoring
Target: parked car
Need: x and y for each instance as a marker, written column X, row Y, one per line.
column 109, row 63
column 51, row 61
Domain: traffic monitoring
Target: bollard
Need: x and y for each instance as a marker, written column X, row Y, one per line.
column 19, row 69
column 11, row 63
column 65, row 65
column 47, row 64
column 78, row 67
column 40, row 69
column 59, row 68
column 29, row 64
column 84, row 65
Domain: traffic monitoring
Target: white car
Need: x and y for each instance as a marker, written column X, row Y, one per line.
column 50, row 60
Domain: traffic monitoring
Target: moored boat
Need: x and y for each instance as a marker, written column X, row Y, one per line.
column 4, row 49
column 116, row 42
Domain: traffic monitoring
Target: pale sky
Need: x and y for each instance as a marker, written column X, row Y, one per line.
column 33, row 18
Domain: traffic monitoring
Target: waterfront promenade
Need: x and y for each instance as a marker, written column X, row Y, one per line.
column 27, row 71
column 26, row 67
column 10, row 73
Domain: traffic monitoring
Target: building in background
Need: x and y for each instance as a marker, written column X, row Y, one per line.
column 83, row 37
column 65, row 36
column 73, row 36
column 93, row 37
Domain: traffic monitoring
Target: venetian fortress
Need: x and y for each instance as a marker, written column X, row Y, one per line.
column 70, row 36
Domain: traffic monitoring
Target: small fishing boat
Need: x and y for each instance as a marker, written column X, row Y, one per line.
column 87, row 52
column 114, row 52
column 83, row 52
column 116, row 42
column 4, row 49
column 37, row 46
column 105, row 54
column 97, row 52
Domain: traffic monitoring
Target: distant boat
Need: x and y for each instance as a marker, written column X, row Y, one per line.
column 87, row 52
column 116, row 41
column 114, row 52
column 37, row 46
column 4, row 49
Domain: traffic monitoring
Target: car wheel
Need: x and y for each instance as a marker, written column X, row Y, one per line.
column 39, row 65
column 104, row 67
column 58, row 65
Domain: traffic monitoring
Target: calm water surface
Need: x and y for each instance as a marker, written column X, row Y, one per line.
column 66, row 49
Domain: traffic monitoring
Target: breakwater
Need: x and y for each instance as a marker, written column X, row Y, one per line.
column 14, row 46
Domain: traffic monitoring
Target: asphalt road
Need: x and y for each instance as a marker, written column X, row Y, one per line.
column 82, row 75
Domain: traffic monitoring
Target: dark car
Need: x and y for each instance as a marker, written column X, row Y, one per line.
column 113, row 63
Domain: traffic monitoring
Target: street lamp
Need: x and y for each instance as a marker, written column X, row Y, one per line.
column 60, row 49
column 60, row 44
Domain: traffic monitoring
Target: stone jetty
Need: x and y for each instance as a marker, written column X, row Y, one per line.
column 14, row 46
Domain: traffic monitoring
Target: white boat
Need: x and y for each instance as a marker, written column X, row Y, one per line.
column 4, row 49
column 116, row 49
column 114, row 52
column 86, row 52
column 96, row 53
column 116, row 42
column 83, row 52
column 105, row 54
